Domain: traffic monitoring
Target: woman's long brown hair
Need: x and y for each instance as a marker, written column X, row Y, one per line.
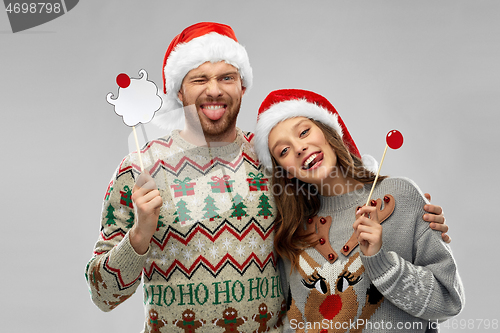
column 296, row 201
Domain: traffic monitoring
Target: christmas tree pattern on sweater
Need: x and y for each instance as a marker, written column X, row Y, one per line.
column 214, row 239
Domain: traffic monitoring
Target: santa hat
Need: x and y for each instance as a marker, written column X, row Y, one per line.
column 284, row 104
column 195, row 45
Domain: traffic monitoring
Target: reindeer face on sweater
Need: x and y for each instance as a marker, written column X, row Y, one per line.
column 330, row 291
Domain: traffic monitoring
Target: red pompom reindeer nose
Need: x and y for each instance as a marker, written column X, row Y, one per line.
column 331, row 306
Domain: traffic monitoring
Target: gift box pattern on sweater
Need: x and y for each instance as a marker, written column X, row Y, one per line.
column 212, row 253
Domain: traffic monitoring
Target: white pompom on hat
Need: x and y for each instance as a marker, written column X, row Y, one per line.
column 284, row 104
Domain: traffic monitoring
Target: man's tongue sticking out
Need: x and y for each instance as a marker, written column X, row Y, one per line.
column 213, row 111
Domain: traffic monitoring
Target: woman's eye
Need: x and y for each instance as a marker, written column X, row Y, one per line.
column 283, row 152
column 304, row 132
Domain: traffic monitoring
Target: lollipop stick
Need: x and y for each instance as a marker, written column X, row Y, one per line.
column 138, row 149
column 376, row 177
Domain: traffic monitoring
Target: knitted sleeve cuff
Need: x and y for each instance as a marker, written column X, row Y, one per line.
column 126, row 261
column 380, row 264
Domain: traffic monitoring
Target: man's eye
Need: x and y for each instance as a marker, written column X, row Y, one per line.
column 227, row 78
column 283, row 152
column 304, row 132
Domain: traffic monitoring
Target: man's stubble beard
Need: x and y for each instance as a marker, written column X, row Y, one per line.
column 215, row 131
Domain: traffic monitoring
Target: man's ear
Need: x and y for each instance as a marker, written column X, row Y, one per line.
column 243, row 89
column 180, row 95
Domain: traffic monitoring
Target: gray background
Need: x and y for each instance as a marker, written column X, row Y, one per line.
column 428, row 68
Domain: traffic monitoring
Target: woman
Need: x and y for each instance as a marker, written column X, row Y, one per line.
column 402, row 275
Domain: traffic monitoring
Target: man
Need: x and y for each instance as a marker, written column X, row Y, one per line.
column 199, row 230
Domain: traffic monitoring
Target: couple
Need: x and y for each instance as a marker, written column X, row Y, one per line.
column 202, row 226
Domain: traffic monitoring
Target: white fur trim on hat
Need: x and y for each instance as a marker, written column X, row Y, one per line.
column 286, row 110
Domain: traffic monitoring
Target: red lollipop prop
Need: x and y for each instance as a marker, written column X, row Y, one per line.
column 394, row 139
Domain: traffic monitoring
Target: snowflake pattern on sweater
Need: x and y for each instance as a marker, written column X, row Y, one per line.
column 212, row 250
column 412, row 281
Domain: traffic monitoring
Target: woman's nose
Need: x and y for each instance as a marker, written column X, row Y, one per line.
column 301, row 150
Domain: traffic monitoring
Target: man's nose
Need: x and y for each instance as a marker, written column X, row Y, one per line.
column 213, row 88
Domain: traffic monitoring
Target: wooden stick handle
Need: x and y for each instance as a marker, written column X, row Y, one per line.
column 376, row 177
column 138, row 149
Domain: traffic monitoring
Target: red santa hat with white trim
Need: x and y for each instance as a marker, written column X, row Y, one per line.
column 195, row 45
column 284, row 104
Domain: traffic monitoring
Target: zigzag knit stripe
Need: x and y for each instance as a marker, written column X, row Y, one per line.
column 214, row 270
column 118, row 276
column 198, row 227
column 213, row 235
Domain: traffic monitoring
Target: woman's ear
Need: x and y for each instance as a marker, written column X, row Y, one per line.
column 289, row 175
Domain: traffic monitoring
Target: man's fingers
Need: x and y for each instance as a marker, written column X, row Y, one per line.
column 145, row 181
column 427, row 196
column 144, row 184
column 143, row 198
column 446, row 238
column 434, row 218
column 151, row 195
column 157, row 201
column 151, row 198
column 433, row 209
column 439, row 227
column 150, row 185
